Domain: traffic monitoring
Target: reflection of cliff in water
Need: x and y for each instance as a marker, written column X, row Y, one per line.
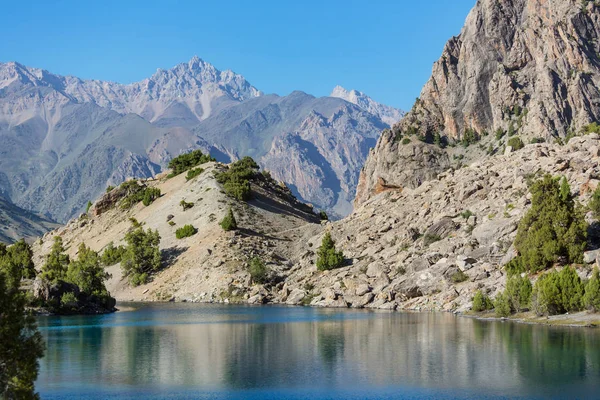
column 252, row 349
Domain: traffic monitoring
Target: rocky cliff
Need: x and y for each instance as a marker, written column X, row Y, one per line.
column 529, row 67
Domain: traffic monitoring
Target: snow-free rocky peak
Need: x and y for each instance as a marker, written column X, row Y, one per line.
column 387, row 114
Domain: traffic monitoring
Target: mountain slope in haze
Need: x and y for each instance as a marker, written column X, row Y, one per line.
column 63, row 140
column 387, row 114
column 525, row 67
column 17, row 223
column 316, row 145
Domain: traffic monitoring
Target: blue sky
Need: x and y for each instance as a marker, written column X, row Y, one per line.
column 384, row 48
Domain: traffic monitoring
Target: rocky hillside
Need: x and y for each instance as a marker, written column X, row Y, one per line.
column 210, row 264
column 428, row 248
column 528, row 67
column 16, row 223
column 63, row 140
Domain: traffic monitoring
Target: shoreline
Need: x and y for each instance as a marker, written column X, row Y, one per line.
column 581, row 319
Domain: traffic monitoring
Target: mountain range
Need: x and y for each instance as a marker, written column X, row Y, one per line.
column 63, row 140
column 441, row 199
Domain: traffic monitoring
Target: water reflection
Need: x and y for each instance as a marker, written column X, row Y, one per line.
column 220, row 348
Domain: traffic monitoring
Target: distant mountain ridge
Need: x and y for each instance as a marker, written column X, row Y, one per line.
column 387, row 114
column 16, row 223
column 63, row 140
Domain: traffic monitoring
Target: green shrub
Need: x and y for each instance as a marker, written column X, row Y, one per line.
column 594, row 204
column 149, row 195
column 109, row 188
column 236, row 180
column 135, row 223
column 459, row 276
column 238, row 189
column 112, row 255
column 571, row 289
column 502, row 305
column 469, row 137
column 327, row 257
column 429, row 239
column 516, row 143
column 228, row 223
column 185, row 205
column 481, row 302
column 511, row 129
column 87, row 272
column 68, row 300
column 192, row 173
column 500, row 133
column 87, row 208
column 258, row 270
column 591, row 298
column 323, row 215
column 518, row 291
column 594, row 127
column 466, row 214
column 537, row 140
column 406, row 141
column 553, row 227
column 185, row 231
column 142, row 255
column 558, row 292
column 135, row 193
column 186, row 161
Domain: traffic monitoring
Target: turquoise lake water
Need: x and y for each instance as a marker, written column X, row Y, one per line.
column 194, row 351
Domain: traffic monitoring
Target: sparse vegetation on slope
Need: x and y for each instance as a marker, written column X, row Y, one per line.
column 236, row 179
column 185, row 231
column 187, row 161
column 228, row 223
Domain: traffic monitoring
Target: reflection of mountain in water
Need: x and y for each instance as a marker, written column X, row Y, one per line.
column 240, row 348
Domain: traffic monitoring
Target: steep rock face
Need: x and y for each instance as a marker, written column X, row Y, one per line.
column 322, row 157
column 526, row 66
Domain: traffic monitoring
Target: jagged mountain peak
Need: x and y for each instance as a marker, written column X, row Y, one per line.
column 529, row 68
column 387, row 114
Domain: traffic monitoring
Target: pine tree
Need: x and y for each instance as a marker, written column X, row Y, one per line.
column 21, row 345
column 142, row 255
column 553, row 227
column 57, row 262
column 591, row 298
column 87, row 272
column 228, row 223
column 327, row 257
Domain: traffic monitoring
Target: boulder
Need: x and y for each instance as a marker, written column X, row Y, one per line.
column 442, row 228
column 362, row 289
column 296, row 296
column 374, row 270
column 590, row 257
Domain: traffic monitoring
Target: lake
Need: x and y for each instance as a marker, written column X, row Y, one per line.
column 207, row 351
